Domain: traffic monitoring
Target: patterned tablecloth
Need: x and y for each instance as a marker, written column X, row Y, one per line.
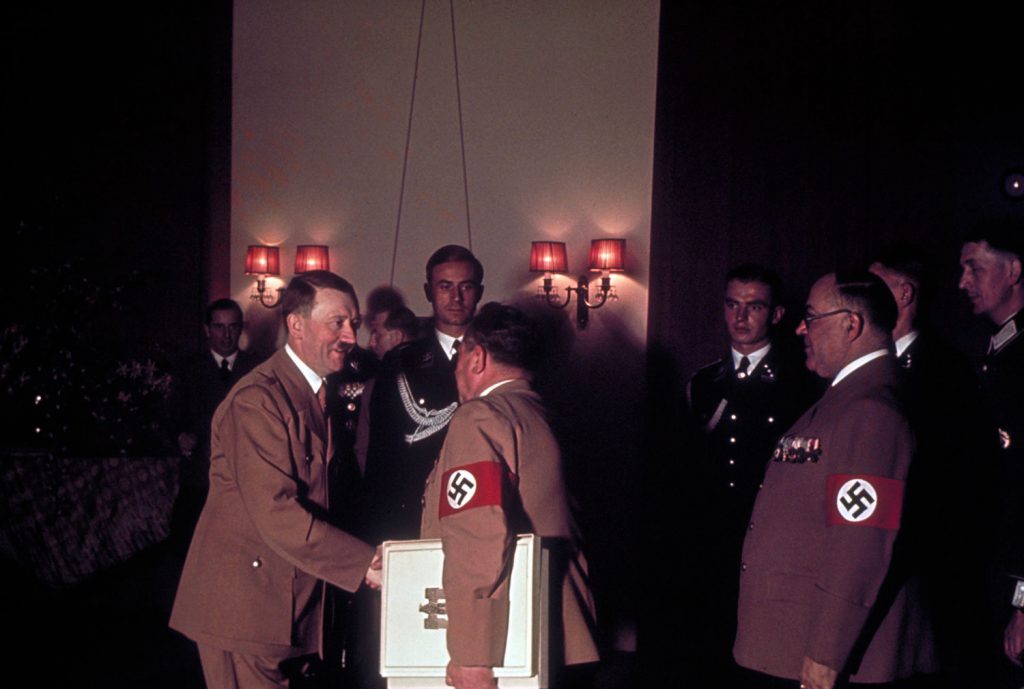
column 63, row 519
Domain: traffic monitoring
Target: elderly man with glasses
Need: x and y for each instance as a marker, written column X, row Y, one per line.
column 824, row 593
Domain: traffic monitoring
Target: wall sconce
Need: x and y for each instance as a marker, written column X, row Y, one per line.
column 309, row 257
column 606, row 256
column 263, row 262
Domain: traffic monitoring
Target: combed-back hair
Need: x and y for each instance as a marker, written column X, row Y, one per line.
column 301, row 292
column 910, row 261
column 1004, row 234
column 754, row 272
column 867, row 294
column 508, row 335
column 451, row 253
column 222, row 305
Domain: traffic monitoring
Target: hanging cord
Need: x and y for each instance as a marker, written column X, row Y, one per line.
column 462, row 136
column 408, row 135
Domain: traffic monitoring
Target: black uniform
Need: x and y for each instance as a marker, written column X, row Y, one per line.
column 413, row 399
column 735, row 421
column 951, row 494
column 1002, row 384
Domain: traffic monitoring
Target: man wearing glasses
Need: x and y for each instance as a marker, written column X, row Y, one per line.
column 823, row 594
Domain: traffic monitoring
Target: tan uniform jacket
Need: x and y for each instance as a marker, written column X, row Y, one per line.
column 504, row 442
column 819, row 575
column 252, row 579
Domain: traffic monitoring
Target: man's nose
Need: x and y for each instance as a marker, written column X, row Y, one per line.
column 963, row 280
column 457, row 296
column 801, row 327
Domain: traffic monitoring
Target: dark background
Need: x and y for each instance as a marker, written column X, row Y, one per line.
column 799, row 134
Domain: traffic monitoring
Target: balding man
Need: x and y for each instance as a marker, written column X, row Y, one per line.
column 501, row 446
column 822, row 595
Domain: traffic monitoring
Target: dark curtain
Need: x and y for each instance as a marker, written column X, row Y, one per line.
column 805, row 136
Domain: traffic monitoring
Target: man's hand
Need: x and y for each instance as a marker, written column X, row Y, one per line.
column 374, row 574
column 814, row 675
column 469, row 677
column 1013, row 638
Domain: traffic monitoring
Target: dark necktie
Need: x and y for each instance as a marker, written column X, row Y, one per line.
column 321, row 395
column 455, row 352
column 741, row 370
column 225, row 370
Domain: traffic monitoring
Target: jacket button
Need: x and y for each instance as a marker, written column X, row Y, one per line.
column 351, row 406
column 257, row 563
column 751, row 526
column 743, row 567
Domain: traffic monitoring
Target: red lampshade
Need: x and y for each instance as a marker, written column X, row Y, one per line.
column 262, row 260
column 607, row 254
column 310, row 257
column 548, row 257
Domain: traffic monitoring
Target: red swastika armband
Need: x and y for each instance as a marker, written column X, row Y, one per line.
column 469, row 486
column 862, row 500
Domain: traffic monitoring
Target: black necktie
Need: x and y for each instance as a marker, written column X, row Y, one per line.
column 225, row 370
column 741, row 370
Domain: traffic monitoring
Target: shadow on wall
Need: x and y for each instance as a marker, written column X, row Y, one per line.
column 593, row 387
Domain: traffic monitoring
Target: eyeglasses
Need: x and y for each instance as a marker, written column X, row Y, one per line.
column 811, row 317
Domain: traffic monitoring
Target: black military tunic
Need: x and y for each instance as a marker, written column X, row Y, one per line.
column 735, row 422
column 740, row 417
column 1002, row 383
column 413, row 399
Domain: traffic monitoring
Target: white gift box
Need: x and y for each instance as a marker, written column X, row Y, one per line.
column 414, row 653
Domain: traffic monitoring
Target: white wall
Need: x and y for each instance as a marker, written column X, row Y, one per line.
column 558, row 113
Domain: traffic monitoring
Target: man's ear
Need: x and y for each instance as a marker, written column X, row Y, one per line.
column 854, row 325
column 293, row 322
column 1015, row 271
column 426, row 292
column 908, row 293
column 478, row 360
column 777, row 313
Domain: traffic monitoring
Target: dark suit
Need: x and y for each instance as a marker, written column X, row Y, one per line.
column 413, row 400
column 253, row 579
column 822, row 575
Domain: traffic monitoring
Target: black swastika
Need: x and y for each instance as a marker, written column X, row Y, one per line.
column 857, row 500
column 459, row 487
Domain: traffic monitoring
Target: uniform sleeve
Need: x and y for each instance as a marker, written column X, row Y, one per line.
column 276, row 499
column 478, row 544
column 863, row 493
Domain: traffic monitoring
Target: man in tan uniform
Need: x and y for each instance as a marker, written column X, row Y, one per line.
column 251, row 592
column 499, row 474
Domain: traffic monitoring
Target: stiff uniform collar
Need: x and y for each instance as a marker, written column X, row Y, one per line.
column 857, row 363
column 309, row 374
column 754, row 357
column 447, row 343
column 1007, row 333
column 906, row 341
column 231, row 358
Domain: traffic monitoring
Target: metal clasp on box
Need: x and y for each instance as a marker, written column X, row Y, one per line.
column 437, row 616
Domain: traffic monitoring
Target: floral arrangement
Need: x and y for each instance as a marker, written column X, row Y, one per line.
column 72, row 380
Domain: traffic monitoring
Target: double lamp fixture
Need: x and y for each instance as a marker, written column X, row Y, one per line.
column 265, row 261
column 606, row 256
